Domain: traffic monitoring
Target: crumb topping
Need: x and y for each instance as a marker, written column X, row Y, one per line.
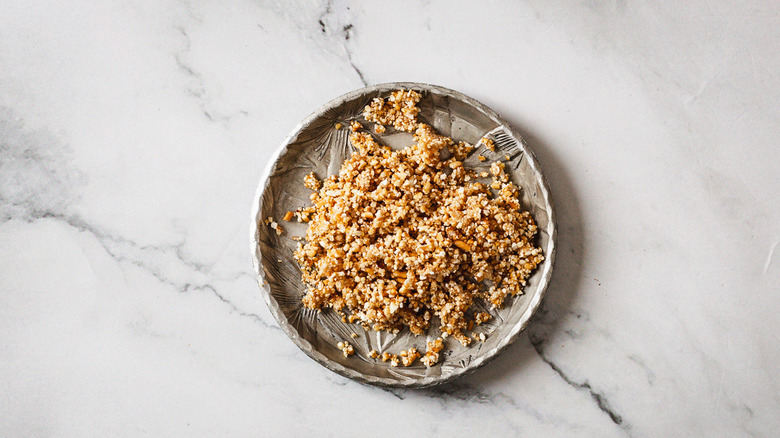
column 400, row 237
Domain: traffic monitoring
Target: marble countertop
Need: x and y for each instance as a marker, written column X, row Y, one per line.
column 133, row 135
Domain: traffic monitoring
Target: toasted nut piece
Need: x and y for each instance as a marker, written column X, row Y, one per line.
column 463, row 245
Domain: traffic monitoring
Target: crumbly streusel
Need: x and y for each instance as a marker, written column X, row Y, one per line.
column 400, row 237
column 399, row 110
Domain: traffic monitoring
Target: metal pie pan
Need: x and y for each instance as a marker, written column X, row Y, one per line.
column 315, row 145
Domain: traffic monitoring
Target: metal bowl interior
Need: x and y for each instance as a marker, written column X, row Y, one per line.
column 315, row 145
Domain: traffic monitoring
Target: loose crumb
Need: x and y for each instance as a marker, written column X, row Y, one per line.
column 346, row 348
column 338, row 126
column 399, row 110
column 431, row 356
column 355, row 126
column 379, row 129
column 481, row 317
column 289, row 216
column 497, row 168
column 489, row 143
column 408, row 357
column 274, row 226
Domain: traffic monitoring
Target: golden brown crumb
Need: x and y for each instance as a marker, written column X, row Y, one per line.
column 311, row 182
column 400, row 237
column 489, row 143
column 346, row 349
column 481, row 158
column 380, row 129
column 355, row 126
column 481, row 317
column 338, row 126
column 497, row 168
column 431, row 356
column 288, row 216
column 393, row 358
column 408, row 357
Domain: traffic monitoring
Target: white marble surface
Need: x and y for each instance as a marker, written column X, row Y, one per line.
column 132, row 136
